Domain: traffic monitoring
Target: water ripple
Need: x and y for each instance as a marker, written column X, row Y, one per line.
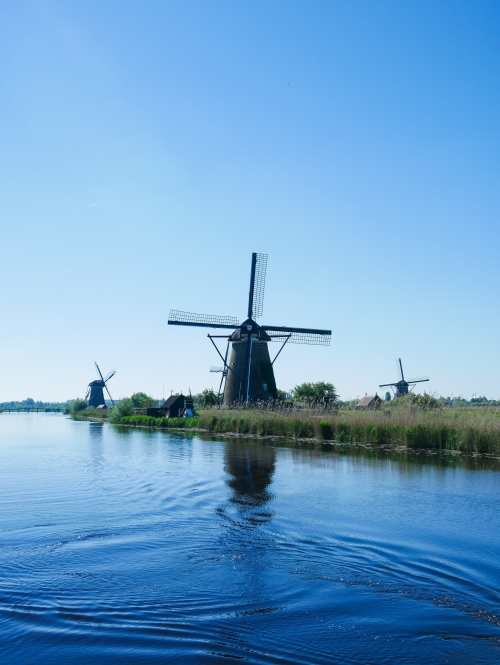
column 141, row 546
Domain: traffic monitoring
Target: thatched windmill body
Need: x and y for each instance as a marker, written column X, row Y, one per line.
column 95, row 392
column 249, row 374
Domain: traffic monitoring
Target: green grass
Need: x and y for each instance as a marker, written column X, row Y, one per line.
column 445, row 430
column 163, row 423
column 91, row 413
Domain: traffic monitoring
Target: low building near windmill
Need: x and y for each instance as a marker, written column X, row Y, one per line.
column 369, row 403
column 176, row 406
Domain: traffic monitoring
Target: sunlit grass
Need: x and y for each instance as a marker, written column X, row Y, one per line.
column 469, row 430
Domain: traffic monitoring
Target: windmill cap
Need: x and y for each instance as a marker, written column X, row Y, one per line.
column 249, row 326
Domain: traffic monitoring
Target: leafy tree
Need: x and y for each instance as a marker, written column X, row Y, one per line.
column 77, row 405
column 281, row 395
column 143, row 401
column 209, row 398
column 315, row 392
column 125, row 407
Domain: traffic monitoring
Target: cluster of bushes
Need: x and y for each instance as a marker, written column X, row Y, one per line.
column 418, row 402
column 76, row 407
column 306, row 394
column 125, row 407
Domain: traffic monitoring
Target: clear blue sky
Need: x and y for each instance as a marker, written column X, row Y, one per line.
column 147, row 148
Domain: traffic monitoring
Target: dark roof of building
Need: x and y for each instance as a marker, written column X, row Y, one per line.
column 369, row 399
column 171, row 401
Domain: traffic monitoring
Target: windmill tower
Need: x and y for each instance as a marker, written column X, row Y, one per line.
column 249, row 374
column 401, row 386
column 95, row 392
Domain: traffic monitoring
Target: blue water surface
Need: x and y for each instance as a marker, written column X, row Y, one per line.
column 136, row 546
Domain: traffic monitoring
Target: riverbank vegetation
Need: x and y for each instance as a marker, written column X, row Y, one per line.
column 453, row 430
column 76, row 406
column 414, row 421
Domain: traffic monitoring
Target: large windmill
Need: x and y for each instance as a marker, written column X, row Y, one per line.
column 95, row 393
column 249, row 374
column 401, row 386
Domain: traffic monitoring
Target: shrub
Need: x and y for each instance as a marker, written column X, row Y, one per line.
column 302, row 429
column 243, row 427
column 343, row 434
column 423, row 402
column 77, row 405
column 326, row 430
column 125, row 407
column 209, row 398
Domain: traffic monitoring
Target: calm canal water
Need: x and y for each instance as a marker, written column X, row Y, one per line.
column 131, row 546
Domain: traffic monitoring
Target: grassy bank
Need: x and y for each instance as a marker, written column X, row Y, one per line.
column 91, row 413
column 463, row 431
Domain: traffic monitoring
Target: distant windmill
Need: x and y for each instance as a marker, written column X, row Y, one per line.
column 401, row 386
column 95, row 393
column 249, row 374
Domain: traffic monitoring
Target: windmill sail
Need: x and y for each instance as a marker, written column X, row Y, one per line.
column 109, row 375
column 98, row 371
column 178, row 318
column 299, row 335
column 259, row 285
column 107, row 390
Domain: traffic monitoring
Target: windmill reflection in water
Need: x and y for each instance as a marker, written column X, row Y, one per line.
column 251, row 467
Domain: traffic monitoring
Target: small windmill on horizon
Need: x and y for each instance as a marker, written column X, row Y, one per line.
column 402, row 386
column 249, row 374
column 95, row 392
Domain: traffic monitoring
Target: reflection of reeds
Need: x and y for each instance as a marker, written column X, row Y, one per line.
column 468, row 431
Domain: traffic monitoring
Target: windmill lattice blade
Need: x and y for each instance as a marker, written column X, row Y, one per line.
column 386, row 385
column 259, row 285
column 178, row 318
column 98, row 371
column 400, row 370
column 108, row 376
column 418, row 379
column 107, row 390
column 299, row 335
